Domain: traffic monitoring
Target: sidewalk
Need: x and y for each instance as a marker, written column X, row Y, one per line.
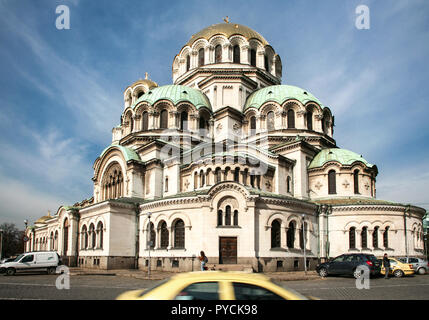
column 160, row 275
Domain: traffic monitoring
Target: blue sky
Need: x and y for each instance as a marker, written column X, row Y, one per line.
column 61, row 91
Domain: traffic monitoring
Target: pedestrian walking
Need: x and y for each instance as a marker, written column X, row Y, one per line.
column 203, row 260
column 386, row 264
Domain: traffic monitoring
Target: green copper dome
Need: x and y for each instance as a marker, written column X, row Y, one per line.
column 279, row 94
column 128, row 153
column 342, row 156
column 176, row 94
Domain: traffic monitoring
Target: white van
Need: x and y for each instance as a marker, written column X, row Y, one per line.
column 32, row 261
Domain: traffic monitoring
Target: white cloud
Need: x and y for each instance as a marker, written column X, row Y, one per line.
column 21, row 201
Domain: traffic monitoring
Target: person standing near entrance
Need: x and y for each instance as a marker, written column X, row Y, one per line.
column 203, row 260
column 386, row 264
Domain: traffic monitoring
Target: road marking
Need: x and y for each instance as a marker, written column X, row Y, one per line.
column 386, row 286
column 73, row 286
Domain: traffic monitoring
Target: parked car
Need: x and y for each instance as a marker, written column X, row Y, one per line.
column 346, row 264
column 398, row 268
column 32, row 261
column 420, row 266
column 214, row 285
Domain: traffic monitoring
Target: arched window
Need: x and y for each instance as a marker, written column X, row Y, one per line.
column 266, row 63
column 270, row 121
column 235, row 217
column 219, row 218
column 252, row 125
column 352, row 238
column 113, row 182
column 195, row 180
column 218, row 174
column 275, row 234
column 93, row 235
column 51, row 240
column 164, row 235
column 84, row 240
column 188, row 62
column 179, row 234
column 100, row 235
column 309, row 120
column 140, row 94
column 164, row 119
column 364, row 238
column 375, row 237
column 203, row 123
column 166, row 184
column 253, row 57
column 291, row 119
column 218, row 53
column 237, row 175
column 236, row 54
column 184, row 121
column 152, row 235
column 386, row 238
column 202, row 178
column 145, row 121
column 291, row 235
column 201, row 57
column 228, row 216
column 56, row 240
column 65, row 236
column 332, row 184
column 288, row 184
column 356, row 181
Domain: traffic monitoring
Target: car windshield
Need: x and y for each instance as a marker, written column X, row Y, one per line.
column 18, row 258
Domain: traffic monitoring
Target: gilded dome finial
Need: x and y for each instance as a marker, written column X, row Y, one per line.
column 226, row 19
column 146, row 75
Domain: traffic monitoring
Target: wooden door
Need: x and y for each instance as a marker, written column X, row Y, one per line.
column 228, row 250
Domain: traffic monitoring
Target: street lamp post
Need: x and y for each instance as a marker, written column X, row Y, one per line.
column 303, row 237
column 25, row 235
column 1, row 244
column 149, row 243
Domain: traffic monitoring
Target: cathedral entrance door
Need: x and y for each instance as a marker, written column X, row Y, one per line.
column 228, row 250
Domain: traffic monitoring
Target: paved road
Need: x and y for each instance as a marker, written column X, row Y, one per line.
column 34, row 286
column 344, row 288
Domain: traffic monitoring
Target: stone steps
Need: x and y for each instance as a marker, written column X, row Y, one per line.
column 230, row 267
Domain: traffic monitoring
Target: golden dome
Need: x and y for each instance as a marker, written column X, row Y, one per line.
column 147, row 82
column 228, row 30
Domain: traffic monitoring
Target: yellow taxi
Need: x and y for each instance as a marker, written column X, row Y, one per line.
column 214, row 285
column 398, row 268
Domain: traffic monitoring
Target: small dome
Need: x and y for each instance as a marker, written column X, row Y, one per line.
column 228, row 30
column 279, row 94
column 176, row 94
column 146, row 82
column 42, row 219
column 343, row 156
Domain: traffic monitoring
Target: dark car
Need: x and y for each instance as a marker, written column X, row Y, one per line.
column 346, row 264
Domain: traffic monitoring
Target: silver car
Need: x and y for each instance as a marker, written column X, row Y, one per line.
column 420, row 266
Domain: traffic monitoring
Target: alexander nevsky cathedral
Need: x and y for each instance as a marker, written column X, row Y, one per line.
column 229, row 161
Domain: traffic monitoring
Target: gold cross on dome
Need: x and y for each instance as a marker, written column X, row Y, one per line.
column 226, row 19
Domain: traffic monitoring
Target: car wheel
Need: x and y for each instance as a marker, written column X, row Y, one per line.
column 323, row 272
column 51, row 270
column 398, row 273
column 10, row 271
column 421, row 270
